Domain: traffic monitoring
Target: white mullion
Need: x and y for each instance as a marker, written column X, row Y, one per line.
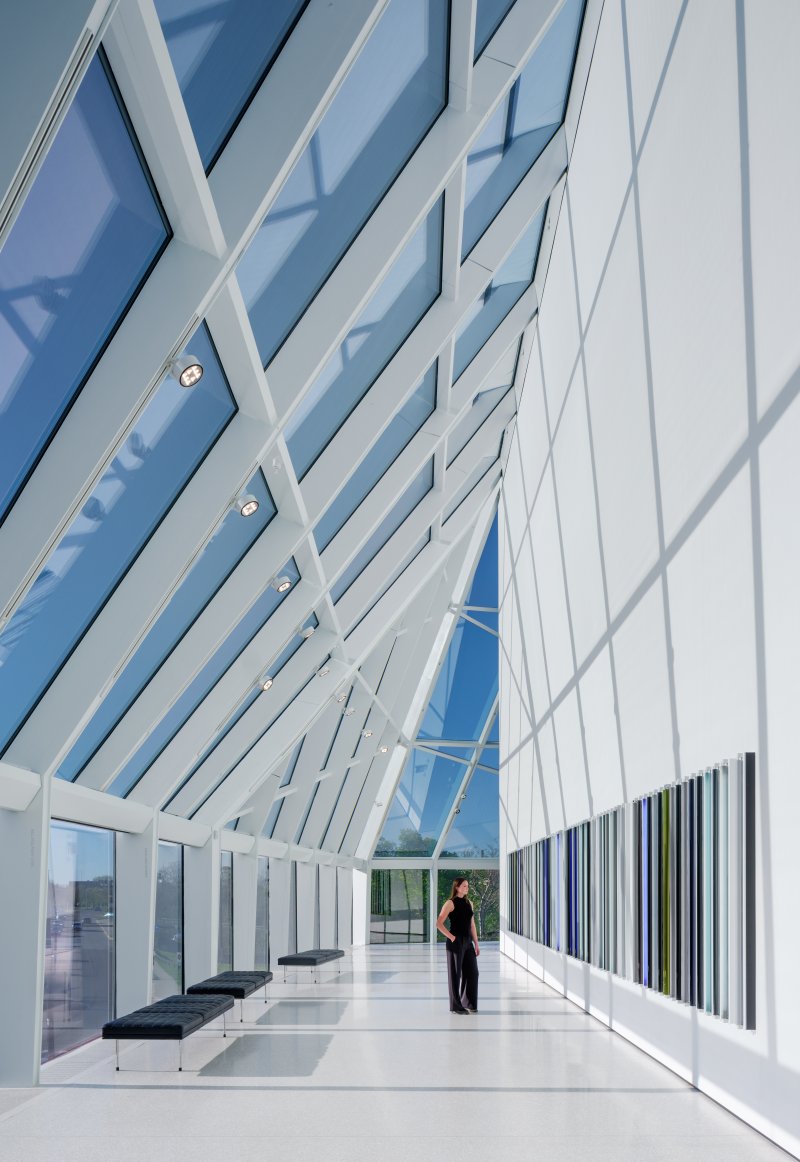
column 399, row 379
column 326, row 796
column 330, row 315
column 465, row 782
column 248, row 176
column 226, row 696
column 215, row 622
column 309, row 764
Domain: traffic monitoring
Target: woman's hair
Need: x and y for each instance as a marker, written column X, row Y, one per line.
column 457, row 882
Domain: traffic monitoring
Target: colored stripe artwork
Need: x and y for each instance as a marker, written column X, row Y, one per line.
column 660, row 891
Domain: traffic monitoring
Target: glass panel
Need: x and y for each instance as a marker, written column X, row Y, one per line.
column 484, row 895
column 420, row 486
column 472, row 482
column 395, row 575
column 221, row 553
column 489, row 15
column 80, row 937
column 465, row 688
column 390, row 98
column 522, row 125
column 168, row 441
column 262, row 915
column 406, row 292
column 383, row 452
column 221, row 660
column 483, row 590
column 85, row 239
column 421, row 805
column 275, row 667
column 168, row 933
column 399, row 906
column 475, row 829
column 288, row 774
column 484, row 403
column 225, row 942
column 506, row 288
column 221, row 52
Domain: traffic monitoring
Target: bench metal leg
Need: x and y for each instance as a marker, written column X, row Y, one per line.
column 180, row 1056
column 116, row 1048
column 265, row 993
column 224, row 1026
column 241, row 1009
column 284, row 974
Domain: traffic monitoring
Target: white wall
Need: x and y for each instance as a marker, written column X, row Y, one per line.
column 650, row 517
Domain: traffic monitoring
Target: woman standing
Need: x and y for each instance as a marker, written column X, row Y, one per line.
column 462, row 948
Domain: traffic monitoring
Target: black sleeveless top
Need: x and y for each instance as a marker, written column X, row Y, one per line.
column 461, row 917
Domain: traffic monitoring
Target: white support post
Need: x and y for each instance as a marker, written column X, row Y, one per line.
column 245, row 881
column 306, row 904
column 24, row 847
column 280, row 871
column 360, row 890
column 136, row 875
column 201, row 909
column 347, row 933
column 328, row 935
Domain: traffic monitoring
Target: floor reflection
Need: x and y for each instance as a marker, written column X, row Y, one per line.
column 266, row 1055
column 312, row 1012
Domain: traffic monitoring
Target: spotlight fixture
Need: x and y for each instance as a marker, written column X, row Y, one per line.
column 457, row 811
column 348, row 710
column 341, row 697
column 306, row 632
column 265, row 682
column 187, row 369
column 366, row 734
column 383, row 749
column 325, row 670
column 246, row 505
column 281, row 584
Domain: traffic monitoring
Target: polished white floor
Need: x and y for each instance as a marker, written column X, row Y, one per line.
column 371, row 1065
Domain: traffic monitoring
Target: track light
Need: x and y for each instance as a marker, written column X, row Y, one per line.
column 265, row 682
column 306, row 632
column 341, row 697
column 187, row 369
column 383, row 749
column 325, row 670
column 246, row 505
column 366, row 734
column 281, row 584
column 348, row 710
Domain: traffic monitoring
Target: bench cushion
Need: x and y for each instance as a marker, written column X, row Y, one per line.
column 171, row 1025
column 170, row 1019
column 234, row 986
column 256, row 974
column 312, row 956
column 208, row 1006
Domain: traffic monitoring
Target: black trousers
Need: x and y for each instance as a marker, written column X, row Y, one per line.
column 462, row 973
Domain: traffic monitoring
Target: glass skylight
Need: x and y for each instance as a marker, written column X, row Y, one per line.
column 506, row 288
column 288, row 775
column 168, row 441
column 420, row 486
column 475, row 830
column 521, row 126
column 223, row 551
column 489, row 15
column 466, row 687
column 394, row 92
column 85, row 239
column 395, row 575
column 274, row 668
column 421, row 804
column 403, row 297
column 221, row 660
column 408, row 421
column 221, row 53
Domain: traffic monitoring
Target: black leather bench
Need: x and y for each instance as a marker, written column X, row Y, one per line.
column 312, row 958
column 236, row 985
column 171, row 1019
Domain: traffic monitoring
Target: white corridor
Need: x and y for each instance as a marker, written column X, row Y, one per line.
column 370, row 1064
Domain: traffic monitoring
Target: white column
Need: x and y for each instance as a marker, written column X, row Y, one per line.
column 24, row 844
column 201, row 909
column 346, row 933
column 306, row 904
column 360, row 881
column 245, row 880
column 136, row 874
column 327, row 907
column 280, row 871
